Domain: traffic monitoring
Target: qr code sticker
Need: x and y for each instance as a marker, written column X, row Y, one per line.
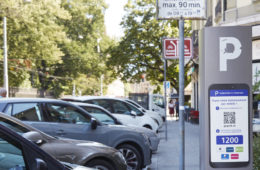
column 229, row 117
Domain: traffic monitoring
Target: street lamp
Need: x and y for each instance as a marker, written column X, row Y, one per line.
column 5, row 58
column 102, row 76
column 6, row 86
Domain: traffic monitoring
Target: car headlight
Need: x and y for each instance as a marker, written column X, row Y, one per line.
column 147, row 139
column 120, row 156
column 156, row 121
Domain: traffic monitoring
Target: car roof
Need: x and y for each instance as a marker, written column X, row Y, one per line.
column 86, row 104
column 43, row 100
column 12, row 99
column 83, row 98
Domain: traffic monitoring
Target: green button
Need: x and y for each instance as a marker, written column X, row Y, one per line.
column 239, row 149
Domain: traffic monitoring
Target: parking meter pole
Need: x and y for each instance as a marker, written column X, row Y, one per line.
column 165, row 99
column 181, row 94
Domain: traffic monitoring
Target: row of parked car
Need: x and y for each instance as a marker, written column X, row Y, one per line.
column 98, row 132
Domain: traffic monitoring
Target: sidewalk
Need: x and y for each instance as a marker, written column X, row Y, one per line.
column 167, row 156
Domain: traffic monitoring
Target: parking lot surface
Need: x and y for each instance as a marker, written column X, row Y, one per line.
column 167, row 155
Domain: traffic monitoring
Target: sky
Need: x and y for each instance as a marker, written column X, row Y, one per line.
column 113, row 17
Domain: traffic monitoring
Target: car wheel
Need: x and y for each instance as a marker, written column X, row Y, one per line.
column 100, row 164
column 132, row 156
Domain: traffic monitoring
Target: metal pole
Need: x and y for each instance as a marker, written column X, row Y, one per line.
column 74, row 89
column 5, row 58
column 165, row 99
column 181, row 94
column 101, row 85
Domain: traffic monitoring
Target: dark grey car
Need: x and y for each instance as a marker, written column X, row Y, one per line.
column 60, row 118
column 17, row 153
column 86, row 153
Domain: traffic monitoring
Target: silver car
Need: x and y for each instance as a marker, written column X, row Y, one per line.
column 63, row 119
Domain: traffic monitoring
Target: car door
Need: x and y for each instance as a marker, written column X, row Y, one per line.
column 30, row 113
column 68, row 121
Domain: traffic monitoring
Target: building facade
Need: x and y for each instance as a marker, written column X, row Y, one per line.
column 228, row 13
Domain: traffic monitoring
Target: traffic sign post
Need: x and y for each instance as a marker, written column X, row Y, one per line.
column 180, row 9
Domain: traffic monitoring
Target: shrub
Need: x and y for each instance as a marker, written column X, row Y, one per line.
column 256, row 153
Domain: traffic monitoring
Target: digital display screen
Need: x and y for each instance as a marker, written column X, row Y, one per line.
column 229, row 114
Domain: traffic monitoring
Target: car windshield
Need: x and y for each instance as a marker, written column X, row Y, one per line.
column 14, row 126
column 133, row 103
column 99, row 114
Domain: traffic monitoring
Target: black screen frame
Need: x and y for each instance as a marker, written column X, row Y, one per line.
column 229, row 87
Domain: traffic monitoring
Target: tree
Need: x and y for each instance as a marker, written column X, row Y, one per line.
column 33, row 35
column 82, row 60
column 139, row 51
column 54, row 42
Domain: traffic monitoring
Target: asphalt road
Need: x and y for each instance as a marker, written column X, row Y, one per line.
column 167, row 155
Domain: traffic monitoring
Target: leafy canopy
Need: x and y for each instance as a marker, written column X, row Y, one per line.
column 139, row 51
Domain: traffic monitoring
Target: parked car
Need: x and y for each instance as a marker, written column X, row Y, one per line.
column 154, row 115
column 106, row 117
column 17, row 153
column 99, row 113
column 256, row 126
column 127, row 113
column 63, row 119
column 153, row 102
column 86, row 153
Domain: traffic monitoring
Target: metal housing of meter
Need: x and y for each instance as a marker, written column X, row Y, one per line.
column 225, row 80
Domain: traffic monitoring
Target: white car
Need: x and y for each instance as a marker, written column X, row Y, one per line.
column 107, row 118
column 154, row 115
column 125, row 112
column 256, row 126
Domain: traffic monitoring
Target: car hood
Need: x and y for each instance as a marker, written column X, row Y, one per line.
column 142, row 130
column 83, row 143
column 76, row 151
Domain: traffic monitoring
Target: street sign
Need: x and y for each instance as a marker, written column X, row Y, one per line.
column 176, row 9
column 167, row 84
column 171, row 46
column 167, row 87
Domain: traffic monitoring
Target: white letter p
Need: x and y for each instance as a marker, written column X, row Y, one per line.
column 229, row 49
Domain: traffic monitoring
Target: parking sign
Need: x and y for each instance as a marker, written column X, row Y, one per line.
column 171, row 46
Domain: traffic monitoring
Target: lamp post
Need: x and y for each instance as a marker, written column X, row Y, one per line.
column 102, row 76
column 6, row 84
column 5, row 58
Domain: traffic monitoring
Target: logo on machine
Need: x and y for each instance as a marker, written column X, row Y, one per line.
column 229, row 49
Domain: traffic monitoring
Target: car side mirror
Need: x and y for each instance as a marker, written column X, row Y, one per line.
column 133, row 113
column 34, row 136
column 93, row 123
column 40, row 164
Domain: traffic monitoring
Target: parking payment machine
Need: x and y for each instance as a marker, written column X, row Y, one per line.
column 225, row 98
column 229, row 125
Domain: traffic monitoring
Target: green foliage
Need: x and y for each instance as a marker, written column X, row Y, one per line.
column 139, row 51
column 256, row 153
column 54, row 42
